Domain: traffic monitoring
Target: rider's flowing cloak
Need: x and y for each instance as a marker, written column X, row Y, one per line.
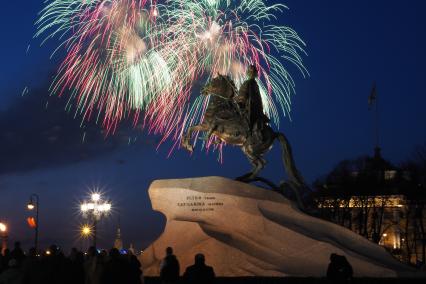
column 249, row 95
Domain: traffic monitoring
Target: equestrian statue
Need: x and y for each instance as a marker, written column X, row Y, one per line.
column 236, row 117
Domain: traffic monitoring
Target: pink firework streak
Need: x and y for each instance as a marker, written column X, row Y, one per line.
column 141, row 59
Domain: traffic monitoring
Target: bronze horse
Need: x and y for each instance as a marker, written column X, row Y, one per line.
column 225, row 121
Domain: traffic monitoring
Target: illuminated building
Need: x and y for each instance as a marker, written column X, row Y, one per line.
column 378, row 201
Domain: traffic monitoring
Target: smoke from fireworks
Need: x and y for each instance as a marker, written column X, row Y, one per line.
column 133, row 58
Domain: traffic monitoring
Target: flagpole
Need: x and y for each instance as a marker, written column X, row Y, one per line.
column 377, row 121
column 374, row 99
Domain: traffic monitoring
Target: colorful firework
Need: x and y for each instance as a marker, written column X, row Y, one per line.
column 131, row 57
column 112, row 69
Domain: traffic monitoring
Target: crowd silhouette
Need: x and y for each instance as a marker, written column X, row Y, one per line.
column 102, row 267
column 54, row 267
column 194, row 274
column 92, row 267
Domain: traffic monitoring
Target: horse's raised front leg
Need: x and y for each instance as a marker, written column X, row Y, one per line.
column 186, row 141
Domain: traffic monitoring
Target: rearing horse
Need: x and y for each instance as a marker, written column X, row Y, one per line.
column 224, row 120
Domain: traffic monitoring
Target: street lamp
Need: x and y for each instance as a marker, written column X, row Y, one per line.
column 34, row 203
column 95, row 209
column 3, row 233
column 86, row 231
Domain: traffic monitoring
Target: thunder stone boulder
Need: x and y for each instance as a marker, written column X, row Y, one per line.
column 244, row 230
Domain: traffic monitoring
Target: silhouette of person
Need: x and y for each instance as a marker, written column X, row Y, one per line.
column 4, row 260
column 12, row 275
column 339, row 269
column 75, row 265
column 93, row 267
column 199, row 272
column 17, row 253
column 116, row 269
column 135, row 271
column 250, row 100
column 54, row 266
column 169, row 268
column 32, row 269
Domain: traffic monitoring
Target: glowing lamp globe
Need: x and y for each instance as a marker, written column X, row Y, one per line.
column 96, row 197
column 3, row 228
column 86, row 230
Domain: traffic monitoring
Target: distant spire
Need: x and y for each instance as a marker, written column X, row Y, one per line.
column 118, row 243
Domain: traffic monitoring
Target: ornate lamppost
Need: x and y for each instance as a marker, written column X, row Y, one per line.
column 3, row 235
column 34, row 204
column 95, row 209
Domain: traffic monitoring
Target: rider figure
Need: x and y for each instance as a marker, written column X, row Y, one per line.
column 250, row 100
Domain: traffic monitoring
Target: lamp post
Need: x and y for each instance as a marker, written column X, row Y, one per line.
column 34, row 203
column 3, row 232
column 95, row 209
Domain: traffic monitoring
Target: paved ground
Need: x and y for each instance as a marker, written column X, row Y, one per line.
column 259, row 280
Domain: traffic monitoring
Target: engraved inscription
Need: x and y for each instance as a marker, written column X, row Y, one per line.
column 197, row 203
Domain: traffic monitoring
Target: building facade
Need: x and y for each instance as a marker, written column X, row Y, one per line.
column 378, row 201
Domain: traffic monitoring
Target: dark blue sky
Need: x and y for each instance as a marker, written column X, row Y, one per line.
column 351, row 44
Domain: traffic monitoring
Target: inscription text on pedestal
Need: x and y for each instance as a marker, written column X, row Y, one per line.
column 200, row 203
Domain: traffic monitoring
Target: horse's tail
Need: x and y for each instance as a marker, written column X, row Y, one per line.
column 296, row 180
column 289, row 164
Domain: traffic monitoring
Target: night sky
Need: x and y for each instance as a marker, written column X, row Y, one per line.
column 351, row 44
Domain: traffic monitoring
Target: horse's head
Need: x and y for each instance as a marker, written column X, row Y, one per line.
column 220, row 85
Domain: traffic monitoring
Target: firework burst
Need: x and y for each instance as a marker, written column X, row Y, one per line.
column 131, row 57
column 111, row 69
